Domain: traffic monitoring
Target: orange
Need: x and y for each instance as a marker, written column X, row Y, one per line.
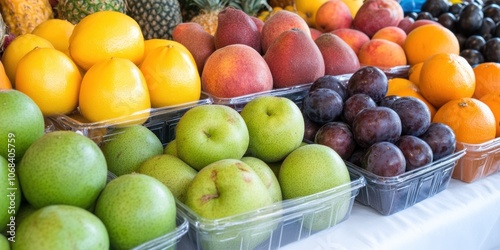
column 4, row 79
column 487, row 78
column 414, row 72
column 171, row 75
column 56, row 31
column 115, row 91
column 445, row 77
column 471, row 120
column 404, row 87
column 427, row 40
column 51, row 79
column 105, row 34
column 17, row 49
column 493, row 101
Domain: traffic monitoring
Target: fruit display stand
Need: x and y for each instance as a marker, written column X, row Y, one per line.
column 480, row 161
column 464, row 216
column 161, row 121
column 389, row 195
column 274, row 226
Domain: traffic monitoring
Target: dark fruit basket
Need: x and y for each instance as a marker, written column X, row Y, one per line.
column 481, row 160
column 167, row 241
column 389, row 195
column 161, row 121
column 273, row 226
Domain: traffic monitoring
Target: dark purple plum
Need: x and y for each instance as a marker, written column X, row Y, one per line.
column 322, row 105
column 338, row 136
column 435, row 7
column 368, row 80
column 331, row 82
column 388, row 100
column 472, row 56
column 416, row 151
column 355, row 104
column 414, row 114
column 375, row 125
column 310, row 129
column 384, row 159
column 474, row 42
column 441, row 139
column 470, row 19
column 449, row 21
column 491, row 50
column 357, row 156
column 492, row 11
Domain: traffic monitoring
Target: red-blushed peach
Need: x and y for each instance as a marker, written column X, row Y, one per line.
column 405, row 23
column 354, row 38
column 235, row 70
column 391, row 33
column 381, row 53
column 280, row 21
column 376, row 14
column 419, row 23
column 315, row 33
column 332, row 15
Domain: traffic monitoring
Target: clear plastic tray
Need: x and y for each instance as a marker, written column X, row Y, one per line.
column 389, row 195
column 161, row 121
column 274, row 226
column 480, row 160
column 167, row 241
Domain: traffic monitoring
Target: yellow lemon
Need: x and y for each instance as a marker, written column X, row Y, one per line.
column 57, row 32
column 105, row 34
column 172, row 76
column 19, row 47
column 51, row 79
column 114, row 91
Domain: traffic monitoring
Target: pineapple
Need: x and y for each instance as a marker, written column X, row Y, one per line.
column 209, row 11
column 76, row 10
column 22, row 16
column 157, row 18
column 281, row 3
column 253, row 7
column 188, row 10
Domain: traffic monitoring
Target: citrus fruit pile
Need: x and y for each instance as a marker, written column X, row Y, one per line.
column 101, row 67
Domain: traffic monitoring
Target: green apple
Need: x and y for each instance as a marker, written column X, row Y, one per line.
column 62, row 167
column 136, row 208
column 208, row 133
column 11, row 196
column 128, row 147
column 171, row 171
column 275, row 125
column 171, row 148
column 61, row 227
column 312, row 169
column 4, row 242
column 227, row 188
column 266, row 174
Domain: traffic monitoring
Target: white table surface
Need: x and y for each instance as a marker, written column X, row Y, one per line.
column 463, row 216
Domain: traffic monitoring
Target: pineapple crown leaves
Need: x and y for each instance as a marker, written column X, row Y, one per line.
column 210, row 5
column 251, row 7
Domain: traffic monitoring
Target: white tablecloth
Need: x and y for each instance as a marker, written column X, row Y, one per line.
column 464, row 216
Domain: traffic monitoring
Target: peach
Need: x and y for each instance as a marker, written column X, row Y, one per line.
column 338, row 56
column 419, row 23
column 197, row 40
column 391, row 33
column 235, row 70
column 405, row 23
column 381, row 53
column 315, row 33
column 354, row 38
column 376, row 14
column 332, row 15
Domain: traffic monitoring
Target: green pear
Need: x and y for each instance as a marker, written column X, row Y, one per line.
column 266, row 174
column 4, row 242
column 11, row 196
column 171, row 148
column 128, row 147
column 61, row 227
column 136, row 208
column 62, row 167
column 208, row 133
column 275, row 125
column 171, row 171
column 311, row 169
column 226, row 188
